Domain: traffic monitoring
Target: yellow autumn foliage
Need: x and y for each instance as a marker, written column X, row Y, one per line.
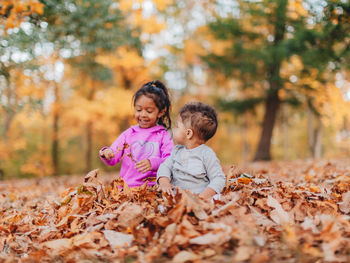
column 213, row 45
column 39, row 163
column 137, row 18
column 152, row 25
column 296, row 9
column 111, row 104
column 126, row 5
column 335, row 108
column 4, row 151
column 162, row 4
column 192, row 51
column 122, row 57
column 17, row 10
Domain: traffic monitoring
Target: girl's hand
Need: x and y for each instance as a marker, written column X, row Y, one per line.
column 143, row 166
column 107, row 154
column 165, row 186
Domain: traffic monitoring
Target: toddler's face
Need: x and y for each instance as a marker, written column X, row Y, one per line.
column 179, row 132
column 146, row 112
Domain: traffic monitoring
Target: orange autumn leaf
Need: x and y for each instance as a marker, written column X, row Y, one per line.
column 315, row 189
column 244, row 180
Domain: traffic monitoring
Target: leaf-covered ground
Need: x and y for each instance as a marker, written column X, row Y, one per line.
column 287, row 212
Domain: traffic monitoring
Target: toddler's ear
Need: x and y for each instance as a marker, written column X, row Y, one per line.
column 189, row 133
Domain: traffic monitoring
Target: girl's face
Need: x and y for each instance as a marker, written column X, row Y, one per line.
column 146, row 112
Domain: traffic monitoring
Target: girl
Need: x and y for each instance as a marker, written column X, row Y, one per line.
column 146, row 145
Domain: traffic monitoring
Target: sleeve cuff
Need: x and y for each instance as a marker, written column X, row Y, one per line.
column 217, row 188
column 158, row 177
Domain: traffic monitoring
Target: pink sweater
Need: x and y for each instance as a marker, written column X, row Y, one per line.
column 136, row 144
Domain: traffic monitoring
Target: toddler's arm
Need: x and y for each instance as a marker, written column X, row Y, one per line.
column 113, row 154
column 166, row 146
column 164, row 174
column 215, row 174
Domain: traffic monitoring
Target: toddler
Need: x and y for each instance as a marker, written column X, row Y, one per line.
column 146, row 145
column 192, row 165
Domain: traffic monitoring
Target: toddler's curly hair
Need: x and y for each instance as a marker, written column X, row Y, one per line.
column 201, row 117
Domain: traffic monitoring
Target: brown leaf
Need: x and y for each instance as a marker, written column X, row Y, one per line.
column 87, row 240
column 243, row 253
column 227, row 207
column 131, row 216
column 175, row 214
column 194, row 204
column 211, row 239
column 260, row 257
column 344, row 206
column 278, row 214
column 117, row 240
column 260, row 218
column 58, row 244
column 185, row 256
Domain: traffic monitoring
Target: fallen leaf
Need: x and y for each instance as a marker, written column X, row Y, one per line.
column 344, row 206
column 243, row 253
column 211, row 238
column 118, row 240
column 185, row 256
column 58, row 244
column 278, row 215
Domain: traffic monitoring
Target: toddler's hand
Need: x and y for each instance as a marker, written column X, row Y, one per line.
column 165, row 186
column 207, row 193
column 143, row 166
column 107, row 154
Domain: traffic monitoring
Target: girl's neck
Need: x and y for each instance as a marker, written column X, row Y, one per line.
column 147, row 127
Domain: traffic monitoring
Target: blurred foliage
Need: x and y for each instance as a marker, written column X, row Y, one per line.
column 268, row 34
column 68, row 70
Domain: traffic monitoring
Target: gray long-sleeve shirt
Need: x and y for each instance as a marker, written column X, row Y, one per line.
column 193, row 169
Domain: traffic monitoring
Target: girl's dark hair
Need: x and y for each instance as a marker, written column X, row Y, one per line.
column 157, row 91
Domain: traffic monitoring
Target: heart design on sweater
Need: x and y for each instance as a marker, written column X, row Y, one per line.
column 141, row 150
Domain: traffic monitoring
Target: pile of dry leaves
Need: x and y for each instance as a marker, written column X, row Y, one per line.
column 275, row 212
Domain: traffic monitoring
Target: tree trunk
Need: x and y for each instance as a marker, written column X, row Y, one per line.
column 89, row 137
column 9, row 117
column 285, row 132
column 55, row 130
column 271, row 108
column 310, row 129
column 11, row 105
column 126, row 81
column 314, row 134
column 245, row 145
column 272, row 101
column 89, row 132
column 318, row 142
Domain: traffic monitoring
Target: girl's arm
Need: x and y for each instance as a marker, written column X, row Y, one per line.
column 118, row 148
column 166, row 146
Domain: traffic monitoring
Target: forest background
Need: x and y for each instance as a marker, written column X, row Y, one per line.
column 277, row 71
